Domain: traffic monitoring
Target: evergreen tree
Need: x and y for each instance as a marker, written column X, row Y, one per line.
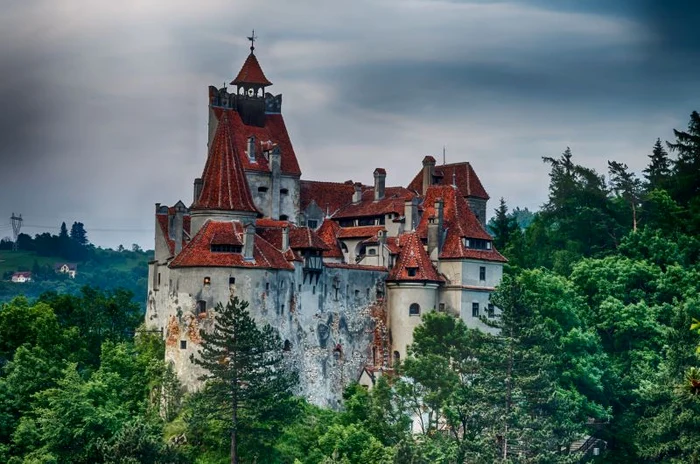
column 686, row 169
column 78, row 233
column 246, row 377
column 658, row 172
column 503, row 226
column 626, row 185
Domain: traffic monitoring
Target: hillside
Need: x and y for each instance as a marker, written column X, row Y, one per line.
column 104, row 268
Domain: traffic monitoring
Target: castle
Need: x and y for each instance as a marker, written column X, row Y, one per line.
column 342, row 270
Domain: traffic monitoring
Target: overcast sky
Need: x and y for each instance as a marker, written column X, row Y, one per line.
column 103, row 104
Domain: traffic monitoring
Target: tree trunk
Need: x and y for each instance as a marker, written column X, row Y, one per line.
column 634, row 217
column 234, row 447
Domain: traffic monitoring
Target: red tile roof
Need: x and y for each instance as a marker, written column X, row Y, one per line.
column 225, row 186
column 464, row 176
column 393, row 202
column 329, row 196
column 460, row 222
column 251, row 73
column 392, row 244
column 414, row 256
column 274, row 131
column 163, row 223
column 359, row 232
column 198, row 252
column 268, row 222
column 305, row 238
column 328, row 232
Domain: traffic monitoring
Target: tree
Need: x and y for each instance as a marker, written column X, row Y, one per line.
column 78, row 233
column 625, row 184
column 686, row 169
column 246, row 378
column 503, row 226
column 136, row 248
column 658, row 172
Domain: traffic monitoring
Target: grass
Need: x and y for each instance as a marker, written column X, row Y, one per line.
column 23, row 260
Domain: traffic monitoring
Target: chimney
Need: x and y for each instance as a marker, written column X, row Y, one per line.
column 178, row 226
column 410, row 214
column 379, row 181
column 357, row 196
column 198, row 184
column 285, row 239
column 249, row 242
column 433, row 234
column 440, row 216
column 428, row 168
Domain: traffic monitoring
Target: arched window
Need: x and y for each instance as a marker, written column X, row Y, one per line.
column 287, row 345
column 201, row 307
column 414, row 309
column 284, row 217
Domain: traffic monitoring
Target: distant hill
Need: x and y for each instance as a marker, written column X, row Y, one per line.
column 97, row 267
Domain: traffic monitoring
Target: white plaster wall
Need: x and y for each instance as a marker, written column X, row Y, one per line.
column 470, row 273
column 401, row 296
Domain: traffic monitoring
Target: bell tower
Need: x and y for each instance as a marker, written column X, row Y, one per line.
column 250, row 89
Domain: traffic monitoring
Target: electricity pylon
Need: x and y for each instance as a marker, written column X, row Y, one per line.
column 16, row 228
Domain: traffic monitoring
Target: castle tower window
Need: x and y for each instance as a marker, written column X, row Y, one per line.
column 201, row 307
column 262, row 189
column 267, row 286
column 287, row 345
column 397, row 357
column 284, row 191
column 284, row 217
column 183, row 344
column 482, row 273
column 207, row 281
column 412, row 271
column 475, row 309
column 232, row 281
column 414, row 309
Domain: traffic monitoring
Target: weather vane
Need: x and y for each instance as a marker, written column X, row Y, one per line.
column 252, row 41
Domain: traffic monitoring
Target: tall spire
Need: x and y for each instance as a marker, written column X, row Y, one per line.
column 224, row 183
column 251, row 74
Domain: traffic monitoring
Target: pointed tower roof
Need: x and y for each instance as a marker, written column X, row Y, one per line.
column 251, row 73
column 413, row 263
column 224, row 183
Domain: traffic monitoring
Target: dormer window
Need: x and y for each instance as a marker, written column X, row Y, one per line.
column 250, row 151
column 477, row 244
column 225, row 248
column 412, row 271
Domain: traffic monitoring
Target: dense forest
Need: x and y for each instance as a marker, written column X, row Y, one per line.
column 598, row 338
column 98, row 267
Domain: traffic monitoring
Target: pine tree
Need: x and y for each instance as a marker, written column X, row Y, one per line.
column 504, row 225
column 78, row 233
column 246, row 379
column 626, row 185
column 658, row 172
column 686, row 169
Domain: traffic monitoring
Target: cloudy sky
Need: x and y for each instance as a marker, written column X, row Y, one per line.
column 103, row 103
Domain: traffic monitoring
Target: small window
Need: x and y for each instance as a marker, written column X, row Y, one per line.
column 232, row 281
column 207, row 281
column 397, row 357
column 475, row 309
column 368, row 293
column 262, row 189
column 491, row 310
column 357, row 293
column 287, row 345
column 300, row 287
column 284, row 191
column 412, row 271
column 441, row 306
column 313, row 290
column 222, row 248
column 372, row 251
column 267, row 286
column 482, row 273
column 159, row 279
column 201, row 306
column 183, row 344
column 414, row 309
column 312, row 223
column 284, row 217
column 282, row 308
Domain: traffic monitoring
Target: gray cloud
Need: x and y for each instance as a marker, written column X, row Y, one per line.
column 104, row 106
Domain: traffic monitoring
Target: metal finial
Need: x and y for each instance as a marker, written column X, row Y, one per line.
column 252, row 41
